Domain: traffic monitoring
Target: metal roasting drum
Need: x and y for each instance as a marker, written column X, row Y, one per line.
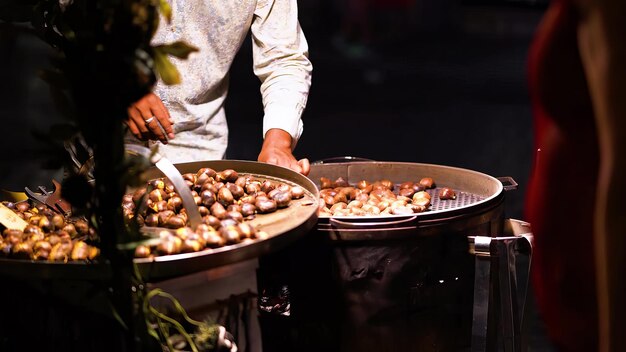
column 395, row 282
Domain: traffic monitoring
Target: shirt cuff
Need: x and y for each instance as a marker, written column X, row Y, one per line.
column 286, row 118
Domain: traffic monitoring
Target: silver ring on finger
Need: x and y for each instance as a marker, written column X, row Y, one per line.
column 148, row 120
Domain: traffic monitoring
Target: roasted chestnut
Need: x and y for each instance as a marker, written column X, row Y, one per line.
column 22, row 206
column 247, row 199
column 142, row 251
column 282, row 199
column 208, row 171
column 447, row 193
column 253, row 187
column 164, row 216
column 201, row 179
column 225, row 196
column 212, row 221
column 204, row 211
column 246, row 230
column 248, row 209
column 230, row 234
column 209, row 187
column 174, row 204
column 407, row 192
column 175, row 221
column 265, row 205
column 267, row 186
column 242, row 181
column 80, row 251
column 157, row 195
column 157, row 184
column 325, row 183
column 191, row 245
column 423, row 201
column 421, row 194
column 22, row 250
column 169, row 245
column 236, row 190
column 235, row 215
column 189, row 177
column 82, row 227
column 297, row 192
column 427, row 182
column 208, row 198
column 218, row 211
column 228, row 175
column 234, row 207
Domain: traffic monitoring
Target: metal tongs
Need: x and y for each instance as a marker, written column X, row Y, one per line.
column 171, row 172
column 51, row 198
column 502, row 269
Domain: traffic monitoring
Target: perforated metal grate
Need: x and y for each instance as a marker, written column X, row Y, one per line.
column 462, row 199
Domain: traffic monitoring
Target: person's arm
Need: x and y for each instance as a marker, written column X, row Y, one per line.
column 280, row 54
column 601, row 34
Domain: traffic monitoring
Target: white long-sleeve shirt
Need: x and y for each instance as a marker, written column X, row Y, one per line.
column 218, row 29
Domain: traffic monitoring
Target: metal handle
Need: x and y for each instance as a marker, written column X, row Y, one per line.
column 508, row 183
column 172, row 173
column 340, row 159
column 513, row 257
column 348, row 224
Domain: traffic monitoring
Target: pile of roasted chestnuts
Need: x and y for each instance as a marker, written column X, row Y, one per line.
column 225, row 200
column 382, row 197
column 49, row 236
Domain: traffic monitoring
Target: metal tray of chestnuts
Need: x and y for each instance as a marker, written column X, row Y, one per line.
column 272, row 229
column 279, row 227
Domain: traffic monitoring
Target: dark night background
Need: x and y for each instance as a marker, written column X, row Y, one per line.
column 439, row 81
column 447, row 88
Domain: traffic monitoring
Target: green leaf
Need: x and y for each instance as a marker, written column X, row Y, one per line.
column 166, row 10
column 178, row 49
column 165, row 68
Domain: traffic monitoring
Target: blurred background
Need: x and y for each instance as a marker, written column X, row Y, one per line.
column 430, row 81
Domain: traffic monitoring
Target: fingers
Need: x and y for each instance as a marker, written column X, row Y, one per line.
column 149, row 119
column 301, row 166
column 137, row 125
column 305, row 166
column 161, row 113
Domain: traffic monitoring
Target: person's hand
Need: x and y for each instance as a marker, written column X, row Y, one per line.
column 148, row 119
column 277, row 150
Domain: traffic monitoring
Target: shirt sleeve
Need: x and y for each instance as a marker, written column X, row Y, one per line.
column 280, row 56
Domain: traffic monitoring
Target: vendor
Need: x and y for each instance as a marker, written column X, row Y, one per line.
column 188, row 120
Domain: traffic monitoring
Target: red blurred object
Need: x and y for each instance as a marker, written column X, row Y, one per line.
column 562, row 187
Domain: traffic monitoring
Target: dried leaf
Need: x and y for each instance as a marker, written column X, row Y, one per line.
column 165, row 68
column 166, row 10
column 179, row 49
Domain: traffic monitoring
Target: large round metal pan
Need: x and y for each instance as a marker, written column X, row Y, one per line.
column 283, row 227
column 479, row 197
